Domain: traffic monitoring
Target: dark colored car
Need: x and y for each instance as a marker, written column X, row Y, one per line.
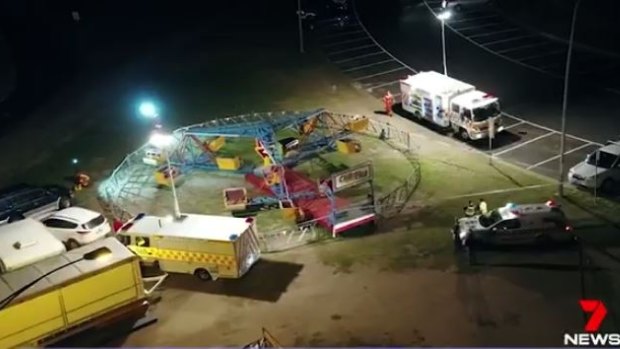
column 23, row 200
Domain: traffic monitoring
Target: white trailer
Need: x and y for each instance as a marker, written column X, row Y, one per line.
column 451, row 104
column 26, row 242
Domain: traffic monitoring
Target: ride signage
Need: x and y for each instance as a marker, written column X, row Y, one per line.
column 352, row 177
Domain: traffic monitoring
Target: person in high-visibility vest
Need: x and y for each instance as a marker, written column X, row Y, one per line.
column 470, row 209
column 81, row 180
column 388, row 103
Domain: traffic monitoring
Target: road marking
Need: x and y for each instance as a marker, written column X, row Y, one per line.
column 524, row 143
column 346, row 42
column 498, row 191
column 517, row 48
column 381, row 73
column 494, row 33
column 514, row 125
column 343, row 33
column 367, row 65
column 351, row 49
column 550, row 53
column 475, row 26
column 550, row 129
column 372, row 87
column 506, row 40
column 558, row 156
column 358, row 57
column 473, row 19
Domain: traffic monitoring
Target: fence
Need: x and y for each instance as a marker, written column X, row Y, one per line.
column 132, row 175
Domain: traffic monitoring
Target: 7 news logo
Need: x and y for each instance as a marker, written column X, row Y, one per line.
column 592, row 337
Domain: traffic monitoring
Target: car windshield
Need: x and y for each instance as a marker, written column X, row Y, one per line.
column 490, row 218
column 95, row 222
column 488, row 111
column 605, row 159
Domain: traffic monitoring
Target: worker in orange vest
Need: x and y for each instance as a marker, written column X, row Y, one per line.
column 81, row 180
column 388, row 102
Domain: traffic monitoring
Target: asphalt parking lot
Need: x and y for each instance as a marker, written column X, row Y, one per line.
column 351, row 47
column 485, row 26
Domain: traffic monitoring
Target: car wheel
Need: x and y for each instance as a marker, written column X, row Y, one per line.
column 464, row 135
column 64, row 202
column 608, row 186
column 72, row 244
column 202, row 274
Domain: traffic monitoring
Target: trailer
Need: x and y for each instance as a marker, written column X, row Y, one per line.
column 451, row 104
column 68, row 294
column 26, row 242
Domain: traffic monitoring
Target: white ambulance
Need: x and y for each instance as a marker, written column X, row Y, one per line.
column 451, row 104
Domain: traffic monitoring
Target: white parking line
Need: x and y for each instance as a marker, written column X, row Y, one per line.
column 473, row 19
column 476, row 26
column 550, row 53
column 346, row 42
column 558, row 156
column 351, row 49
column 513, row 125
column 517, row 48
column 524, row 143
column 381, row 73
column 506, row 40
column 494, row 33
column 343, row 33
column 358, row 57
column 367, row 65
column 550, row 129
column 372, row 87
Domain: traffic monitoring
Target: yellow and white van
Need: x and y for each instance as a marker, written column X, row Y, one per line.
column 209, row 247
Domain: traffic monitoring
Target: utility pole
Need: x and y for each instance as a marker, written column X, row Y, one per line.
column 300, row 14
column 565, row 99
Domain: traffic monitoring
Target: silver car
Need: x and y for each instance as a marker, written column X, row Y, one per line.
column 514, row 225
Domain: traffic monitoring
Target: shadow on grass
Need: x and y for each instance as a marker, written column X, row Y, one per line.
column 266, row 281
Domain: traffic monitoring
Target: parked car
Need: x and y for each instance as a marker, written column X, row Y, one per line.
column 23, row 200
column 600, row 169
column 77, row 226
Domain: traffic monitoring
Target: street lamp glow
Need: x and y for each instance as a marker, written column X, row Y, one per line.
column 161, row 140
column 444, row 15
column 148, row 109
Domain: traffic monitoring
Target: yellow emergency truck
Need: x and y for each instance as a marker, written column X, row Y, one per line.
column 209, row 247
column 47, row 301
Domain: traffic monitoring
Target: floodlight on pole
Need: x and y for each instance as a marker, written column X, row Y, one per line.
column 148, row 110
column 163, row 141
column 443, row 17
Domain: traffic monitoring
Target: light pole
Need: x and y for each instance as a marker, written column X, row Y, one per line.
column 443, row 17
column 98, row 253
column 163, row 141
column 565, row 98
column 301, row 15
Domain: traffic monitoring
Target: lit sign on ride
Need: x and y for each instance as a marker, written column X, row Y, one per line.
column 352, row 177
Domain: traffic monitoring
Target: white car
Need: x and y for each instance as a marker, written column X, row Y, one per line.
column 600, row 169
column 77, row 226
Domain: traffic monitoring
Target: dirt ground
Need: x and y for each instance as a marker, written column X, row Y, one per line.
column 304, row 302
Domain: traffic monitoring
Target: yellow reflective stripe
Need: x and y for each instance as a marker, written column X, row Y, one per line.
column 184, row 256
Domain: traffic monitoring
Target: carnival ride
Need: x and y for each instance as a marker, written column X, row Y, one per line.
column 200, row 147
